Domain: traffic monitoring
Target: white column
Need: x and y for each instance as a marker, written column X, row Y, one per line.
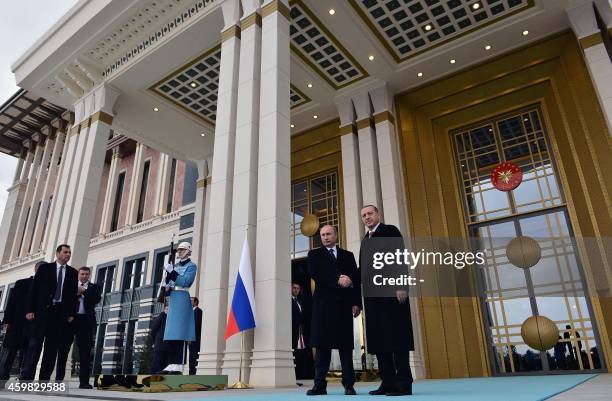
column 18, row 169
column 37, row 210
column 48, row 190
column 213, row 281
column 200, row 222
column 596, row 57
column 368, row 153
column 111, row 192
column 27, row 209
column 12, row 208
column 163, row 184
column 351, row 177
column 135, row 185
column 28, row 163
column 272, row 361
column 84, row 188
column 244, row 203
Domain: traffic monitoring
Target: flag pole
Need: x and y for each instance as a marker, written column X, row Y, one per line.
column 240, row 384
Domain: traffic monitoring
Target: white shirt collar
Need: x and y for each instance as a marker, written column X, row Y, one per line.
column 335, row 248
column 374, row 229
column 57, row 265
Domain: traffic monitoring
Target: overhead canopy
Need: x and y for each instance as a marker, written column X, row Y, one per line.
column 23, row 116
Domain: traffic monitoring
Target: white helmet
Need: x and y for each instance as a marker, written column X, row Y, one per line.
column 184, row 245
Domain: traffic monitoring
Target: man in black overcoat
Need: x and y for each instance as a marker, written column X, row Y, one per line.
column 160, row 348
column 50, row 308
column 194, row 346
column 388, row 321
column 16, row 337
column 335, row 302
column 299, row 340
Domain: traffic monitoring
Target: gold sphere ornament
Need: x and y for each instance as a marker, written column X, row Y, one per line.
column 539, row 332
column 524, row 252
column 310, row 225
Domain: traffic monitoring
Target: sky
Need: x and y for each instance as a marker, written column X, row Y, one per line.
column 22, row 22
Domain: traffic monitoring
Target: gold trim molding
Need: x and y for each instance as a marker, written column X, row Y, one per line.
column 101, row 116
column 253, row 19
column 346, row 129
column 275, row 5
column 231, row 32
column 363, row 123
column 591, row 40
column 384, row 116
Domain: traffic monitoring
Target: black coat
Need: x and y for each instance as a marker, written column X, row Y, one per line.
column 332, row 314
column 41, row 294
column 197, row 314
column 91, row 297
column 388, row 322
column 15, row 312
column 297, row 320
column 157, row 332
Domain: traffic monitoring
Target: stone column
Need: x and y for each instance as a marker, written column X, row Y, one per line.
column 244, row 203
column 36, row 209
column 135, row 185
column 18, row 169
column 28, row 162
column 272, row 361
column 27, row 210
column 200, row 221
column 213, row 281
column 111, row 192
column 163, row 184
column 85, row 175
column 368, row 152
column 597, row 58
column 48, row 189
column 12, row 208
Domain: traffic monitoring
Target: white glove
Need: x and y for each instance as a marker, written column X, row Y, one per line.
column 168, row 267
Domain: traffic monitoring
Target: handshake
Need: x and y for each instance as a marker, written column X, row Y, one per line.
column 344, row 281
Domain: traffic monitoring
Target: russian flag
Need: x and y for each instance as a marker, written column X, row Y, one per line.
column 242, row 314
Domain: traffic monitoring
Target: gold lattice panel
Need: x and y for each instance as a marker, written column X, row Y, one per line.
column 409, row 27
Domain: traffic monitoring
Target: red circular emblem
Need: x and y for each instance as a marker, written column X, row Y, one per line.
column 506, row 176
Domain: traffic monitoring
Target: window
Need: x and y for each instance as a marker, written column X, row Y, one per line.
column 106, row 278
column 554, row 287
column 171, row 187
column 133, row 274
column 143, row 191
column 319, row 196
column 117, row 203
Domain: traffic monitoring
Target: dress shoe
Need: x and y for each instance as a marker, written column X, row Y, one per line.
column 85, row 386
column 350, row 391
column 317, row 391
column 382, row 391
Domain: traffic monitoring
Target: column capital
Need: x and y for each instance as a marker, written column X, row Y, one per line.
column 581, row 15
column 231, row 13
column 271, row 6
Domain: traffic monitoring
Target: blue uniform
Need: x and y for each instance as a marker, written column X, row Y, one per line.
column 180, row 323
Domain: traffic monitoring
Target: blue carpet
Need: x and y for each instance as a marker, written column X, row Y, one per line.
column 516, row 388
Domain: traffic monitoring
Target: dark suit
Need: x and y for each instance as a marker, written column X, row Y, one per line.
column 83, row 327
column 50, row 322
column 160, row 348
column 332, row 315
column 14, row 316
column 389, row 329
column 301, row 352
column 194, row 346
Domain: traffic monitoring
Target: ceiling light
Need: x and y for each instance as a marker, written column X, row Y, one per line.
column 332, row 11
column 193, row 84
column 525, row 32
column 476, row 6
column 315, row 116
column 371, row 57
column 155, row 109
column 203, row 134
column 292, row 126
column 428, row 27
column 420, row 74
column 488, row 47
column 309, row 85
column 452, row 61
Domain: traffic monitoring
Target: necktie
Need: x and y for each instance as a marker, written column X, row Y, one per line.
column 331, row 252
column 370, row 234
column 58, row 287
